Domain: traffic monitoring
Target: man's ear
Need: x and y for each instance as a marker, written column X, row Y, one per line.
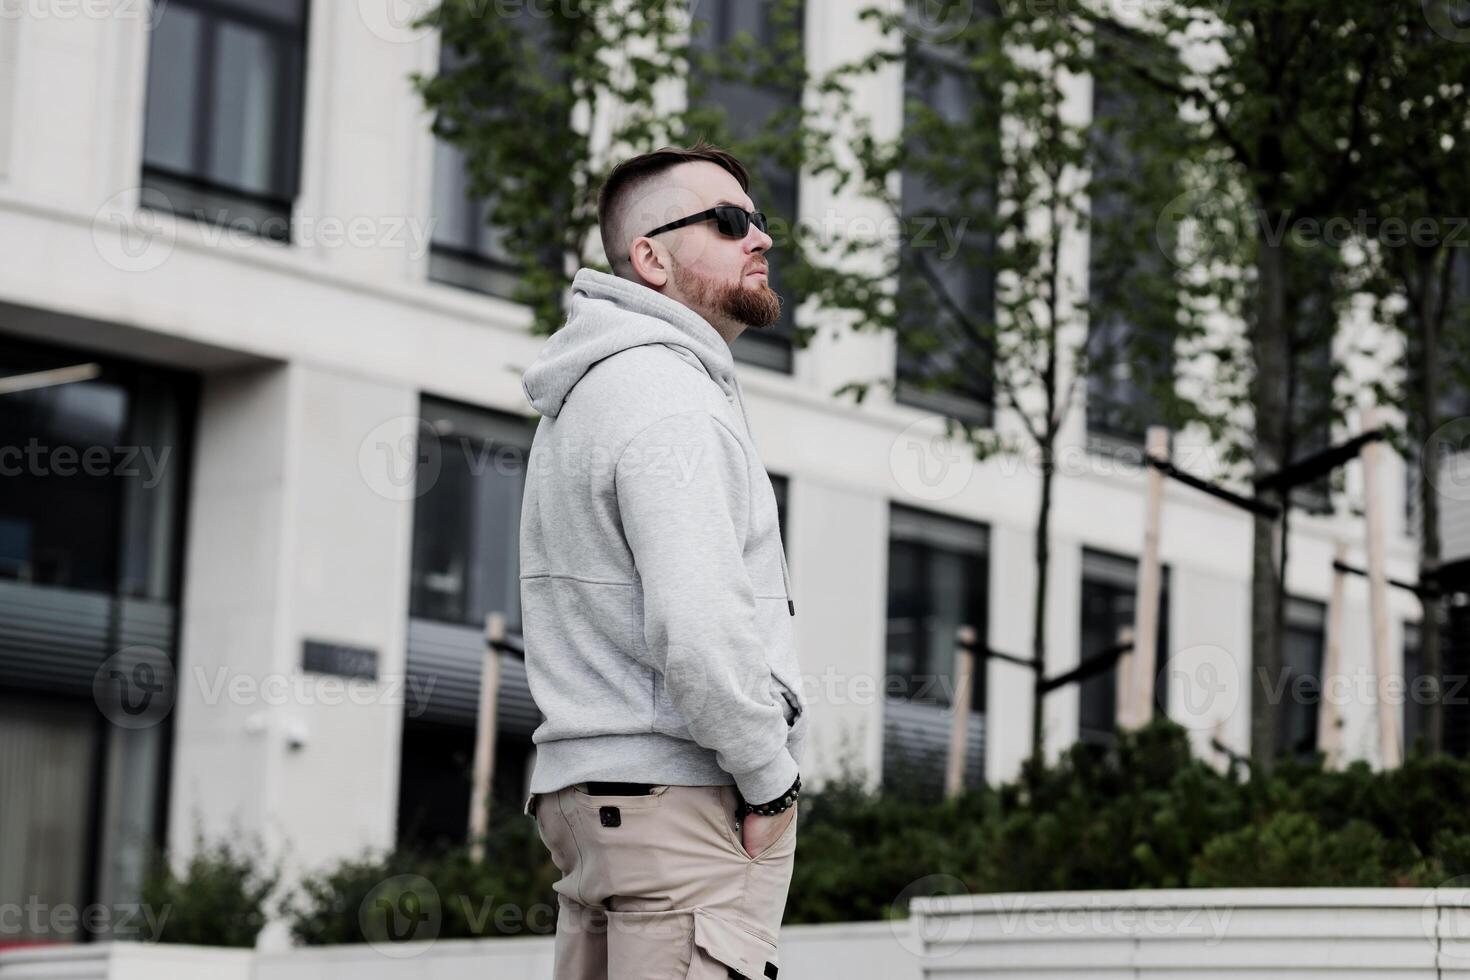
column 651, row 261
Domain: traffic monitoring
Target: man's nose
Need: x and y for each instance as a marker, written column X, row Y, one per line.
column 758, row 240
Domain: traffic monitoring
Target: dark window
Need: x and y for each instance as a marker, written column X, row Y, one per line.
column 1109, row 603
column 93, row 461
column 1454, row 403
column 466, row 542
column 1301, row 693
column 466, row 565
column 946, row 275
column 222, row 136
column 937, row 581
column 95, row 457
column 1311, row 368
column 466, row 248
column 1127, row 362
column 1413, row 717
column 751, row 108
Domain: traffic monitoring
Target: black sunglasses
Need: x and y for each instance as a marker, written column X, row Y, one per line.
column 728, row 218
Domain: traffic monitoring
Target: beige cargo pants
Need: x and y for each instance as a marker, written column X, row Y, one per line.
column 659, row 887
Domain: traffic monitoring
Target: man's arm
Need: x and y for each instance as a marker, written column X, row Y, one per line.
column 680, row 485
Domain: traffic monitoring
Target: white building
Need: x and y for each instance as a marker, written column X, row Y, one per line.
column 306, row 439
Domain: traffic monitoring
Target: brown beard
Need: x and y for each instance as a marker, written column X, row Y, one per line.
column 754, row 306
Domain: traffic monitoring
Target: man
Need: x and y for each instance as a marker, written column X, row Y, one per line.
column 655, row 596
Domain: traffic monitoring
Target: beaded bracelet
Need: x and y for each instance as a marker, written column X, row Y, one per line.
column 779, row 805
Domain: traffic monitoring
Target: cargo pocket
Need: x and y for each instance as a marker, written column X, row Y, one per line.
column 643, row 945
column 724, row 949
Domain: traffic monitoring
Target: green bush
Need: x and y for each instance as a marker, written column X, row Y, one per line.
column 406, row 895
column 219, row 901
column 1293, row 850
column 1142, row 813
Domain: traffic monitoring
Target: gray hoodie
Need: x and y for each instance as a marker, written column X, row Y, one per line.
column 655, row 599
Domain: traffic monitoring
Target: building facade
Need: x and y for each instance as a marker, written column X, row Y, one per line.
column 265, row 440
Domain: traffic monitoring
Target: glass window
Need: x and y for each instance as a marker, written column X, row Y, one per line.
column 750, row 110
column 94, row 462
column 1109, row 603
column 1302, row 648
column 945, row 302
column 466, row 249
column 466, row 542
column 222, row 130
column 1413, row 718
column 937, row 581
column 1125, row 258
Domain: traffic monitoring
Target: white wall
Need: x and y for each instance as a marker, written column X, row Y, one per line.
column 1294, row 933
column 295, row 533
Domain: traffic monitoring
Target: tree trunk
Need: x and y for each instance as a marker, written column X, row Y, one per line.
column 1271, row 350
column 1428, row 311
column 1038, row 624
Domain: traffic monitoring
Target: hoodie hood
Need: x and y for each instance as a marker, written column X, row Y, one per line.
column 607, row 315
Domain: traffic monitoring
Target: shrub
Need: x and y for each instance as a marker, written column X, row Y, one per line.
column 219, row 901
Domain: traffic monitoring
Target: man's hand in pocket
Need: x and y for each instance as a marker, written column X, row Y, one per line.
column 759, row 833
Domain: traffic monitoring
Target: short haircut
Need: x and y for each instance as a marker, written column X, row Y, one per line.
column 634, row 176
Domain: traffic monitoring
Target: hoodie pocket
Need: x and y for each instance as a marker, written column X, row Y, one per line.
column 579, row 636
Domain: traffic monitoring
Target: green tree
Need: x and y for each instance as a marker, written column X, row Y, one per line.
column 520, row 95
column 1418, row 256
column 991, row 154
column 1279, row 94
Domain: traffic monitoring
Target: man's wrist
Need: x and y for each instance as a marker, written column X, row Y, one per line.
column 770, row 808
